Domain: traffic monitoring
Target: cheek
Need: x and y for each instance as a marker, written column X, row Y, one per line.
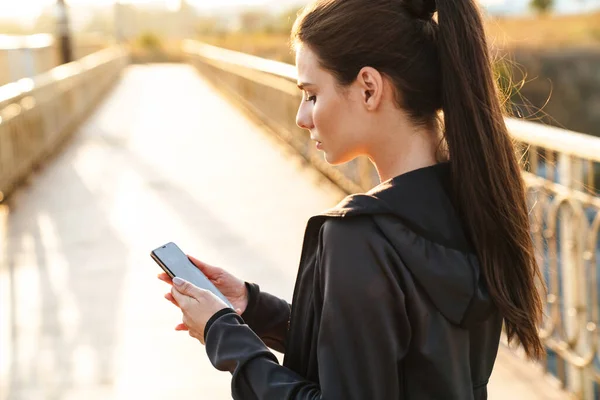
column 336, row 126
column 318, row 117
column 326, row 115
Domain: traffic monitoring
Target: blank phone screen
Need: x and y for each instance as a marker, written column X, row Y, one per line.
column 178, row 263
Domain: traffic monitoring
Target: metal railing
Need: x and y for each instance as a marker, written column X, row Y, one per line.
column 561, row 169
column 37, row 114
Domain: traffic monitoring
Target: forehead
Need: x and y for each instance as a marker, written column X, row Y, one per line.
column 306, row 64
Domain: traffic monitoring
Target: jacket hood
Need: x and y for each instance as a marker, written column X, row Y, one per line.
column 415, row 213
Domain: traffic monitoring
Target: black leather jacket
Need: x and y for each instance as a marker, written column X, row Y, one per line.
column 389, row 303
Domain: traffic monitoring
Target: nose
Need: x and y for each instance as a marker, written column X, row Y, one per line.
column 304, row 117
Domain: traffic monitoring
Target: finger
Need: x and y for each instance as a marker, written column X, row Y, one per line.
column 208, row 270
column 184, row 287
column 181, row 327
column 181, row 298
column 170, row 297
column 165, row 278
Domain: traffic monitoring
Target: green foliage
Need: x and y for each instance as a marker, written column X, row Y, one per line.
column 541, row 6
column 149, row 41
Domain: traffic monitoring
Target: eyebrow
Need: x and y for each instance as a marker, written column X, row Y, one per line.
column 303, row 85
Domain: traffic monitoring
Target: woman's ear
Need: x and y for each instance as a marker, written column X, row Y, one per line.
column 370, row 83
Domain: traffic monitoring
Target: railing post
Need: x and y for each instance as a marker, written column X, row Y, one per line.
column 574, row 290
column 64, row 33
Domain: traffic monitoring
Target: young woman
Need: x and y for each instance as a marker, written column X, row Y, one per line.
column 401, row 291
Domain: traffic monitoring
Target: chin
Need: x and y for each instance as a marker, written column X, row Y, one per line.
column 337, row 159
column 331, row 159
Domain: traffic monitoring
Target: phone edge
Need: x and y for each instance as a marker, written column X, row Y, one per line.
column 161, row 265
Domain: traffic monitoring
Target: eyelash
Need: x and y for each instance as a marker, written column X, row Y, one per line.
column 311, row 98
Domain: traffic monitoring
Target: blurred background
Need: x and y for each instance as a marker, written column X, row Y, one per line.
column 126, row 124
column 549, row 45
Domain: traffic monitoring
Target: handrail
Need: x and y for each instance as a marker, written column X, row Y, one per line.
column 37, row 41
column 555, row 139
column 241, row 59
column 549, row 137
column 37, row 114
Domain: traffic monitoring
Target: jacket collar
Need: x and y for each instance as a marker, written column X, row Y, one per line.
column 420, row 198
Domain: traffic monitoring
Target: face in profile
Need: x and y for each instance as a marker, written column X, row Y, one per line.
column 332, row 115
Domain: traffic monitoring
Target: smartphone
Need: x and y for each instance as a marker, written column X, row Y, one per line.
column 175, row 263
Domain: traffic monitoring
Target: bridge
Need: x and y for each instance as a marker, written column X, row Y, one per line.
column 102, row 161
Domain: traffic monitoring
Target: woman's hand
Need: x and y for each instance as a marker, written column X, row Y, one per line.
column 233, row 288
column 230, row 286
column 197, row 306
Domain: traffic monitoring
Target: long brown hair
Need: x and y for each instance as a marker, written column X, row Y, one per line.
column 445, row 65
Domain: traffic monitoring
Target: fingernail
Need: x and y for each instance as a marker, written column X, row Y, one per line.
column 177, row 281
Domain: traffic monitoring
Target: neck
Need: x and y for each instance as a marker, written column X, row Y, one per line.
column 399, row 153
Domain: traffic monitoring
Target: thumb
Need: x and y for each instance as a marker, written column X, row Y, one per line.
column 185, row 287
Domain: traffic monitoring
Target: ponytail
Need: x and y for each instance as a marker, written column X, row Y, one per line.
column 488, row 188
column 445, row 65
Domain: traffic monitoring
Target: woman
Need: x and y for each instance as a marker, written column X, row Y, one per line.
column 401, row 291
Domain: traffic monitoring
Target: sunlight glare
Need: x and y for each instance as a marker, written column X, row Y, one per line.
column 173, row 5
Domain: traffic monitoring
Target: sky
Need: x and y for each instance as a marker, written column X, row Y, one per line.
column 29, row 9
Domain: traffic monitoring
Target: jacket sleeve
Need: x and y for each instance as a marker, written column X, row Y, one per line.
column 364, row 332
column 268, row 316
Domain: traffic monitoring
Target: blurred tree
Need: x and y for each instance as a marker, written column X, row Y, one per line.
column 542, row 6
column 149, row 41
